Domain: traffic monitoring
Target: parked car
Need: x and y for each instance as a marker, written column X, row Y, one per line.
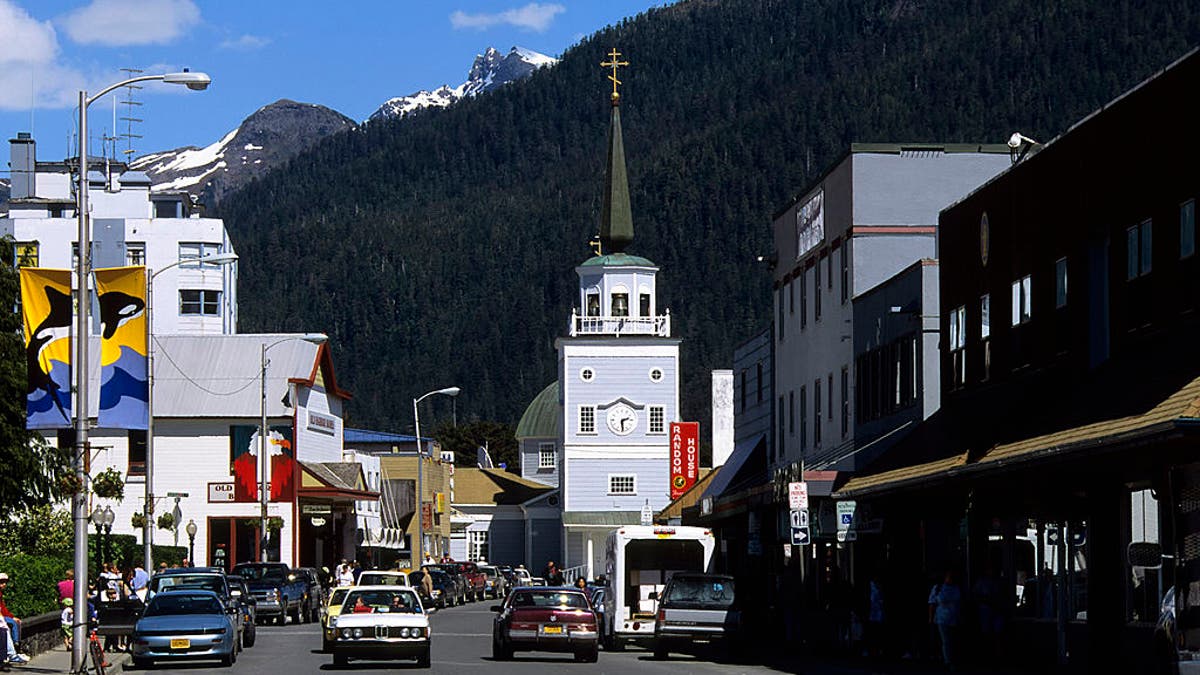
column 543, row 619
column 460, row 579
column 494, row 583
column 249, row 608
column 537, row 581
column 185, row 625
column 276, row 589
column 510, row 576
column 523, row 576
column 446, row 592
column 476, row 580
column 381, row 622
column 315, row 599
column 332, row 609
column 597, row 599
column 696, row 609
column 199, row 579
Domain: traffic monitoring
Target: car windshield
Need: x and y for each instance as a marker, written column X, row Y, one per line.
column 439, row 577
column 700, row 591
column 182, row 603
column 380, row 579
column 488, row 571
column 558, row 599
column 360, row 602
column 338, row 596
column 188, row 582
column 259, row 572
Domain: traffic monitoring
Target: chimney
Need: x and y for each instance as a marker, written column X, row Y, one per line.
column 23, row 165
column 722, row 416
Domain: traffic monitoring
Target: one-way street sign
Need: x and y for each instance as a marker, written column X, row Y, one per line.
column 799, row 517
column 800, row 536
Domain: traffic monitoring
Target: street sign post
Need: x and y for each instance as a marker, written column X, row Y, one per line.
column 797, row 495
column 799, row 518
column 800, row 536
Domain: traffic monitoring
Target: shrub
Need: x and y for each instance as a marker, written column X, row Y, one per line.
column 33, row 582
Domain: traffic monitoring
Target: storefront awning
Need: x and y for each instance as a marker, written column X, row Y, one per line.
column 747, row 457
column 1180, row 411
column 334, row 481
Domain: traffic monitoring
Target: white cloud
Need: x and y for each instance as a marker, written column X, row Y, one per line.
column 30, row 72
column 534, row 16
column 117, row 23
column 246, row 42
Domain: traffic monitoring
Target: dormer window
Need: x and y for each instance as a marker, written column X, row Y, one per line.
column 644, row 304
column 620, row 304
column 593, row 304
column 168, row 209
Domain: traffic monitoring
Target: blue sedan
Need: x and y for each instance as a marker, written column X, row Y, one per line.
column 185, row 625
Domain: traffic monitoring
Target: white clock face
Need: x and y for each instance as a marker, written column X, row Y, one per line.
column 622, row 419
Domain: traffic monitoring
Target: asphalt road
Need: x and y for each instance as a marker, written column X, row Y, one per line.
column 461, row 644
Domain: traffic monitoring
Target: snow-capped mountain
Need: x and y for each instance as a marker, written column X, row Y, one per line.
column 490, row 70
column 272, row 135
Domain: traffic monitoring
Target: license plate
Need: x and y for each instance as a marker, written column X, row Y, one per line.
column 552, row 630
column 180, row 644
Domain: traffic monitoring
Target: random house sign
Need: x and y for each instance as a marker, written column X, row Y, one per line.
column 326, row 424
column 685, row 456
column 810, row 224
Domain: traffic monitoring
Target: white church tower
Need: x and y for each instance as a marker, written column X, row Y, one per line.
column 618, row 374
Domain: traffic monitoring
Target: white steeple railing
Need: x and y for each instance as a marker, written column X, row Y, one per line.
column 658, row 326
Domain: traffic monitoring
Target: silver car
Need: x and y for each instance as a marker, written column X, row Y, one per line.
column 185, row 626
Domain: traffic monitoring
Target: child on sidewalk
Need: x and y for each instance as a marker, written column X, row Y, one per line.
column 67, row 620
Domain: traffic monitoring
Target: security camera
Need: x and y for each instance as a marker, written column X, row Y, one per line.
column 1018, row 138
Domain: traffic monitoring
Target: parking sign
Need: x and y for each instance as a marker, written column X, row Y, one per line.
column 798, row 495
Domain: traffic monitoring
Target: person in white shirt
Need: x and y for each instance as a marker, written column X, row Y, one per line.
column 345, row 574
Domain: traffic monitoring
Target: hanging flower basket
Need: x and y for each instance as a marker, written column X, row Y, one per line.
column 166, row 521
column 108, row 485
column 138, row 521
column 70, row 484
column 274, row 523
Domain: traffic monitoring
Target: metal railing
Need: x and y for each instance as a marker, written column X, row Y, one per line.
column 658, row 326
column 570, row 574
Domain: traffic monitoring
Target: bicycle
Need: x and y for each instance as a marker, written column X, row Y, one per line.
column 94, row 651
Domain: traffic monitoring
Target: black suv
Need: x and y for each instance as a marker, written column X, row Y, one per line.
column 315, row 600
column 249, row 607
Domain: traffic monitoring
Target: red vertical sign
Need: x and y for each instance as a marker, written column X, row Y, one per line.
column 685, row 456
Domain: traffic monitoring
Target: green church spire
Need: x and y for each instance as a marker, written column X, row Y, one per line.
column 616, row 220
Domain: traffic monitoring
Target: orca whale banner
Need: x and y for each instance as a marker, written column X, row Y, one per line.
column 124, row 392
column 47, row 313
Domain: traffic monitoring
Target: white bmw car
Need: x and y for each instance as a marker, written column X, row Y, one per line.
column 381, row 622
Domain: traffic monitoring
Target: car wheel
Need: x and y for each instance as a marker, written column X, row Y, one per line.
column 340, row 660
column 281, row 619
column 499, row 651
column 249, row 638
column 326, row 645
column 587, row 656
column 228, row 660
column 423, row 660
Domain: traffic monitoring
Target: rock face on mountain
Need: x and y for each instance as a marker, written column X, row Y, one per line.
column 272, row 135
column 491, row 69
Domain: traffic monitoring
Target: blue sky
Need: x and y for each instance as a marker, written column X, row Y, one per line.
column 350, row 56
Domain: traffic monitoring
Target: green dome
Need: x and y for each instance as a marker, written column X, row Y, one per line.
column 542, row 417
column 618, row 260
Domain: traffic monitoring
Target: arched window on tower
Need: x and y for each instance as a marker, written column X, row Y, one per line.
column 593, row 304
column 620, row 303
column 644, row 304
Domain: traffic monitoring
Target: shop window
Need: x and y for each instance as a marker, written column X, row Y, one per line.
column 1187, row 229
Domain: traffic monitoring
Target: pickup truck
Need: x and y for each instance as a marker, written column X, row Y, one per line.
column 277, row 591
column 476, row 579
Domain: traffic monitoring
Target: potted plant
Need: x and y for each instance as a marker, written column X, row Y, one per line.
column 167, row 522
column 274, row 523
column 108, row 484
column 138, row 521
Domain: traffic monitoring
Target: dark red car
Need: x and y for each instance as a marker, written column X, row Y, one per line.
column 545, row 620
column 476, row 580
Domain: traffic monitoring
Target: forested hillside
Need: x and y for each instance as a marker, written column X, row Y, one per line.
column 439, row 249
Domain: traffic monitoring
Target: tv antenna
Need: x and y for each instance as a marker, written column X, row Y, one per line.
column 130, row 118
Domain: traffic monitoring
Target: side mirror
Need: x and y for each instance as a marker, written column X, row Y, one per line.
column 653, row 595
column 1144, row 554
column 496, row 608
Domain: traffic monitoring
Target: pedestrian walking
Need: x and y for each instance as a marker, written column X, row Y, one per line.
column 67, row 621
column 356, row 570
column 139, row 582
column 552, row 575
column 945, row 600
column 66, row 587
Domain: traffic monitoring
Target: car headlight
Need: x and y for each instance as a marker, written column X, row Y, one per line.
column 403, row 632
column 346, row 633
column 358, row 632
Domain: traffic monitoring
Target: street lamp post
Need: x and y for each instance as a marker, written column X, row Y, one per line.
column 148, row 509
column 191, row 532
column 314, row 338
column 420, row 557
column 196, row 81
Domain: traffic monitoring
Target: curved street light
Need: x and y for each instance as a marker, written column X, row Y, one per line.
column 195, row 81
column 420, row 557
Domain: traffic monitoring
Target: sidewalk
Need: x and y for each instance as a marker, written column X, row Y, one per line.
column 58, row 660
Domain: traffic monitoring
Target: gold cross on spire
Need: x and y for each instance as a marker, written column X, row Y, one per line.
column 613, row 63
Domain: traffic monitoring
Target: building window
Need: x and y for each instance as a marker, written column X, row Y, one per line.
column 135, row 253
column 644, row 304
column 620, row 304
column 985, row 333
column 587, row 374
column 477, row 545
column 1187, row 229
column 829, row 393
column 792, row 296
column 845, row 272
column 622, row 484
column 593, row 304
column 792, row 413
column 1022, row 300
column 780, row 425
column 781, row 326
column 657, row 419
column 817, row 413
column 803, row 419
column 200, row 302
column 74, row 256
column 743, row 394
column 845, row 401
column 25, row 254
column 167, row 209
column 817, row 293
column 829, row 270
column 137, row 453
column 656, row 374
column 547, row 457
column 759, row 379
column 958, row 341
column 192, row 252
column 803, row 300
column 1139, row 250
column 1060, row 283
column 587, row 419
